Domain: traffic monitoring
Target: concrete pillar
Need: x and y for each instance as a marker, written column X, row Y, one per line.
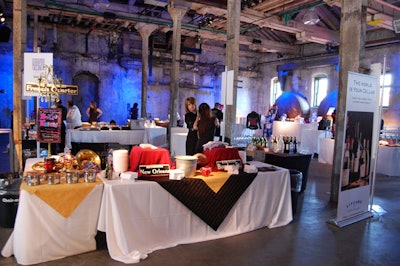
column 145, row 31
column 177, row 12
column 352, row 41
column 19, row 44
column 232, row 60
column 35, row 32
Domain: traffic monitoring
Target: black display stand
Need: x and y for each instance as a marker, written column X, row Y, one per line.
column 297, row 161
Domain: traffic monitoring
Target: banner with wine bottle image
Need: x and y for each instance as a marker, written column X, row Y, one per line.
column 357, row 150
column 360, row 124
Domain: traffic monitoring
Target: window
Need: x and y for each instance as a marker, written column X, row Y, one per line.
column 385, row 84
column 320, row 90
column 275, row 90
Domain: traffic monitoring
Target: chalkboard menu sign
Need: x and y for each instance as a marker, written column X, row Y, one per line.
column 49, row 125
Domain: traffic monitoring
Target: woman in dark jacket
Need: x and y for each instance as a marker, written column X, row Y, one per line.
column 205, row 125
column 190, row 118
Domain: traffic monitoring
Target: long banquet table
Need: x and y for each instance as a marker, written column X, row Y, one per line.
column 326, row 150
column 388, row 160
column 43, row 233
column 307, row 135
column 140, row 217
column 154, row 135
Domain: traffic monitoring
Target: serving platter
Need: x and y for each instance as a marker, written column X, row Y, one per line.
column 87, row 155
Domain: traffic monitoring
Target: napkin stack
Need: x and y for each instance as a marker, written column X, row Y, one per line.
column 232, row 169
column 176, row 174
column 147, row 146
column 129, row 176
column 214, row 144
column 249, row 168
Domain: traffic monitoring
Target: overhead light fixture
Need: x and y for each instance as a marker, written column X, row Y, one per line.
column 310, row 17
column 101, row 4
column 2, row 18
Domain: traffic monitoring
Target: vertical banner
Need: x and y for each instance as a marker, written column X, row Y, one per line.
column 227, row 82
column 229, row 87
column 34, row 66
column 354, row 192
column 49, row 125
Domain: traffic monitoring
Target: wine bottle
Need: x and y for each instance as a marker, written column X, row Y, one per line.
column 356, row 151
column 294, row 145
column 356, row 163
column 286, row 144
column 280, row 144
column 263, row 142
column 346, row 162
column 362, row 165
column 290, row 144
column 367, row 158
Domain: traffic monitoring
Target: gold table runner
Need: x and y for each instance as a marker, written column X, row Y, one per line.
column 64, row 198
column 215, row 180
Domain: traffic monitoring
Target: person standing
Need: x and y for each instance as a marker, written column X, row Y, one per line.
column 217, row 113
column 74, row 117
column 205, row 124
column 93, row 112
column 134, row 111
column 59, row 147
column 190, row 118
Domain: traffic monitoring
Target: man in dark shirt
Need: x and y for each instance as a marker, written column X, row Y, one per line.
column 60, row 146
column 217, row 113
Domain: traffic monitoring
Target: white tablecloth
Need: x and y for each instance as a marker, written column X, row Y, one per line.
column 153, row 135
column 326, row 147
column 141, row 217
column 309, row 142
column 42, row 234
column 291, row 129
column 156, row 135
column 178, row 141
column 388, row 161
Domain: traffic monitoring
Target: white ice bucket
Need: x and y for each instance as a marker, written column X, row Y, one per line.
column 187, row 164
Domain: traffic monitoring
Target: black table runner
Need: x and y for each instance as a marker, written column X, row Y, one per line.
column 197, row 196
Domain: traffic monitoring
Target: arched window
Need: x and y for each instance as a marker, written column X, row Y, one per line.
column 319, row 89
column 386, row 83
column 275, row 90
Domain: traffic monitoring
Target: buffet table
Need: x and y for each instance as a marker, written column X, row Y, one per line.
column 309, row 142
column 388, row 160
column 306, row 134
column 153, row 135
column 326, row 147
column 51, row 222
column 291, row 129
column 157, row 220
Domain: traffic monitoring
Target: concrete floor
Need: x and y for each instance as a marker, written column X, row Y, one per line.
column 307, row 240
